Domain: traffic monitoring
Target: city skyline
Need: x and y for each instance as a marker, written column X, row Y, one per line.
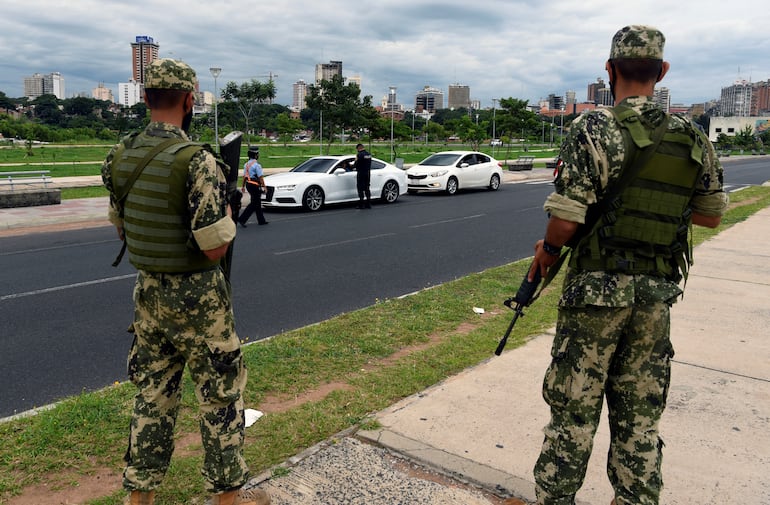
column 525, row 49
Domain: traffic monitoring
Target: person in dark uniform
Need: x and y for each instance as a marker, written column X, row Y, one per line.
column 363, row 166
column 254, row 180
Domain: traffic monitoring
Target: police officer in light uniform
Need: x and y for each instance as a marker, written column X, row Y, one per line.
column 612, row 335
column 177, row 229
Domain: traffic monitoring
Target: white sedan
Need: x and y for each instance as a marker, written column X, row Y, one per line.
column 453, row 170
column 331, row 179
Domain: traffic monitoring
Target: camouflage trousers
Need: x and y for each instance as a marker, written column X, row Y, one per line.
column 623, row 354
column 185, row 319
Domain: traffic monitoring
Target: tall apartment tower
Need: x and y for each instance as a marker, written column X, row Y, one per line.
column 662, row 98
column 48, row 84
column 429, row 100
column 143, row 52
column 459, row 97
column 299, row 93
column 325, row 71
column 736, row 99
column 592, row 95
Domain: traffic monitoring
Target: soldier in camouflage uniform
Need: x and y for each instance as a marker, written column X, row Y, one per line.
column 177, row 228
column 612, row 334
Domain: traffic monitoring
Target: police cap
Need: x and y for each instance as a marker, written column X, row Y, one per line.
column 636, row 42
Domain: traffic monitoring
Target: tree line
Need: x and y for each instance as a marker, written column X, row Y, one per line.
column 334, row 109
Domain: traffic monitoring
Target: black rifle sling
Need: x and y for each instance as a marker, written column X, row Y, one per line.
column 620, row 185
column 132, row 179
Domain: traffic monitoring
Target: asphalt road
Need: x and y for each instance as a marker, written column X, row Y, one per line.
column 64, row 309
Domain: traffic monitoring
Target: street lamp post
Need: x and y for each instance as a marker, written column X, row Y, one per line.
column 215, row 71
column 494, row 107
column 392, row 105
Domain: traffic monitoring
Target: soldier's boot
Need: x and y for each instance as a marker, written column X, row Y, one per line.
column 255, row 496
column 140, row 498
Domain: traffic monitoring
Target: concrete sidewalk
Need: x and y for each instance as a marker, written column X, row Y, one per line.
column 483, row 427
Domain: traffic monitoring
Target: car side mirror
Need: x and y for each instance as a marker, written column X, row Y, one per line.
column 339, row 171
column 464, row 164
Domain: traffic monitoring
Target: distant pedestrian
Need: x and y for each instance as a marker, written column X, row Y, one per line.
column 166, row 202
column 363, row 167
column 638, row 178
column 254, row 181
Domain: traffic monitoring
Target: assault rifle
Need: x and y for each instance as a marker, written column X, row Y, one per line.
column 523, row 298
column 230, row 152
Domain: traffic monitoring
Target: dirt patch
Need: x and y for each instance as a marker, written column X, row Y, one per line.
column 70, row 488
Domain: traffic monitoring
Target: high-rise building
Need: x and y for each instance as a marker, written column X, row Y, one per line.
column 555, row 102
column 760, row 105
column 356, row 79
column 593, row 90
column 325, row 71
column 299, row 93
column 100, row 92
column 48, row 84
column 129, row 93
column 662, row 98
column 736, row 99
column 604, row 97
column 459, row 97
column 429, row 100
column 571, row 98
column 143, row 51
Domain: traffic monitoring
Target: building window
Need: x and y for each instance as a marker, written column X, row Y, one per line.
column 731, row 130
column 719, row 130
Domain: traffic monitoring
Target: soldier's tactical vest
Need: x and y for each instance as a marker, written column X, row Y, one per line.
column 155, row 211
column 645, row 228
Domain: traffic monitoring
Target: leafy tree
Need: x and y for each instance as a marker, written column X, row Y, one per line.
column 247, row 95
column 6, row 103
column 286, row 126
column 471, row 132
column 339, row 107
column 46, row 109
column 514, row 118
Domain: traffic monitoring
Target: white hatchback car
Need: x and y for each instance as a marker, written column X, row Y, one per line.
column 453, row 170
column 329, row 179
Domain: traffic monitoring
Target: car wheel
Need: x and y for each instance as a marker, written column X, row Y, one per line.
column 390, row 192
column 494, row 182
column 451, row 186
column 313, row 199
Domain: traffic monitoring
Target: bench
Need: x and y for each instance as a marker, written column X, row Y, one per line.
column 26, row 177
column 521, row 163
column 27, row 189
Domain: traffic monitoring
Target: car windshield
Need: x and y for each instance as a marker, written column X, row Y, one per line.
column 439, row 160
column 315, row 165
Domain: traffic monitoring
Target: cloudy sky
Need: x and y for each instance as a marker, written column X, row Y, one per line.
column 525, row 49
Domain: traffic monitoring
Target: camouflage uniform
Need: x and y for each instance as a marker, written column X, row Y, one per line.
column 185, row 319
column 612, row 334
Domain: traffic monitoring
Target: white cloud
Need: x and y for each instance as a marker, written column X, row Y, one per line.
column 521, row 48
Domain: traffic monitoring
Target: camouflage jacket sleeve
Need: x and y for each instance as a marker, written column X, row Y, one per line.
column 114, row 210
column 591, row 155
column 210, row 226
column 710, row 198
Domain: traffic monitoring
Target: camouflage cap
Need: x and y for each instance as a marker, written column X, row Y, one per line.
column 166, row 73
column 637, row 41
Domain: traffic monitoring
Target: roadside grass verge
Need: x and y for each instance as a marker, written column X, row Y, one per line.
column 312, row 382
